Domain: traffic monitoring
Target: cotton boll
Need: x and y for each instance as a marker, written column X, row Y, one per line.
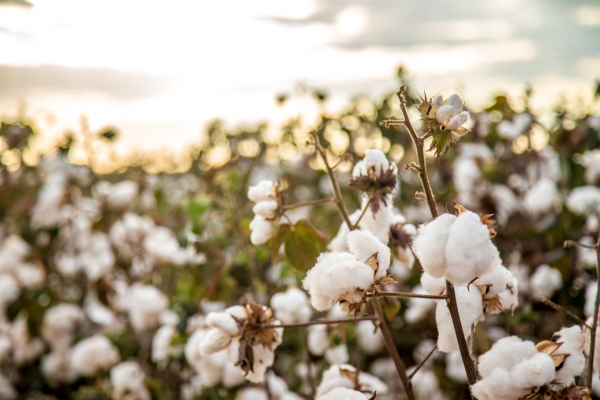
column 591, row 161
column 162, row 349
column 376, row 159
column 337, row 355
column 455, row 369
column 444, row 113
column 430, row 243
column 56, row 367
column 469, row 251
column 145, row 304
column 264, row 190
column 369, row 337
column 127, row 380
column 93, row 354
column 545, row 281
column 470, row 309
column 13, row 251
column 263, row 359
column 318, row 339
column 506, row 202
column 342, row 393
column 541, row 198
column 493, row 282
column 363, row 244
column 584, row 200
column 425, row 385
column 25, row 348
column 435, row 286
column 10, row 289
column 457, row 121
column 505, row 354
column 262, row 230
column 467, row 179
column 59, row 325
column 574, row 342
column 266, row 208
column 215, row 340
column 498, row 386
column 340, row 243
column 534, row 372
column 418, row 309
column 31, row 276
column 509, row 297
column 292, row 306
column 225, row 322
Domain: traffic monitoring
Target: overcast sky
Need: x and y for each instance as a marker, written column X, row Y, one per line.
column 160, row 70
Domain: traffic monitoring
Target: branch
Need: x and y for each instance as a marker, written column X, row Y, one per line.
column 410, row 295
column 451, row 301
column 568, row 313
column 308, row 203
column 418, row 367
column 364, row 211
column 590, row 360
column 316, row 322
column 339, row 202
column 389, row 344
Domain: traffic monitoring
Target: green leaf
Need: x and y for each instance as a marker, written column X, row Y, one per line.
column 279, row 238
column 303, row 245
column 390, row 307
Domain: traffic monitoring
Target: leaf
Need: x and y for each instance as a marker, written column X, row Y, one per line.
column 279, row 238
column 547, row 347
column 245, row 357
column 487, row 220
column 303, row 245
column 387, row 280
column 459, row 208
column 391, row 306
column 559, row 360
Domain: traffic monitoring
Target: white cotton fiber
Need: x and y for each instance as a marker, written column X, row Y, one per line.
column 505, row 353
column 494, row 281
column 533, row 372
column 470, row 309
column 262, row 230
column 469, row 250
column 265, row 208
column 214, row 340
column 342, row 393
column 292, row 306
column 223, row 321
column 264, row 190
column 545, row 281
column 429, row 246
column 574, row 341
column 319, row 298
column 435, row 286
column 363, row 244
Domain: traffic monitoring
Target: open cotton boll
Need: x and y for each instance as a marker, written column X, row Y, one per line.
column 318, row 339
column 457, row 121
column 59, row 325
column 337, row 355
column 55, row 367
column 333, row 378
column 541, row 198
column 93, row 354
column 369, row 337
column 425, row 385
column 574, row 342
column 435, row 286
column 342, row 393
column 430, row 244
column 469, row 251
column 127, row 380
column 214, row 340
column 264, row 190
column 505, row 354
column 418, row 309
column 292, row 306
column 545, row 281
column 584, row 200
column 363, row 244
column 144, row 306
column 262, row 230
column 455, row 369
column 263, row 359
column 470, row 309
column 497, row 386
column 376, row 158
column 266, row 208
column 225, row 320
column 536, row 371
column 493, row 282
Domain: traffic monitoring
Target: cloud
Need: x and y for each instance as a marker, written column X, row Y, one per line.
column 22, row 3
column 23, row 80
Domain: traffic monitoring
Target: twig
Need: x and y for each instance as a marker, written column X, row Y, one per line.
column 451, row 301
column 572, row 243
column 409, row 295
column 418, row 367
column 590, row 360
column 568, row 313
column 315, row 322
column 362, row 214
column 389, row 344
column 308, row 203
column 339, row 202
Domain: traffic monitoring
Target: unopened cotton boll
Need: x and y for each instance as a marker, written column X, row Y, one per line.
column 573, row 342
column 584, row 200
column 264, row 190
column 470, row 309
column 127, row 380
column 343, row 393
column 545, row 281
column 93, row 354
column 541, row 198
column 266, row 208
column 292, row 306
column 262, row 230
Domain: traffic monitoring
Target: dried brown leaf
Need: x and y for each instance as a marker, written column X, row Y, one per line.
column 559, row 360
column 386, row 280
column 547, row 347
column 373, row 263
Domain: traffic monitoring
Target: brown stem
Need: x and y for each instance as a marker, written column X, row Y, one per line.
column 568, row 313
column 452, row 304
column 316, row 322
column 590, row 360
column 389, row 344
column 339, row 202
column 308, row 203
column 418, row 367
column 410, row 295
column 364, row 211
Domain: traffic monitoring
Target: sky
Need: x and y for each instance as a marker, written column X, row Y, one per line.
column 159, row 71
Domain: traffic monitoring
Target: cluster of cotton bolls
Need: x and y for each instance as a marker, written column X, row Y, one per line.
column 513, row 368
column 345, row 277
column 264, row 194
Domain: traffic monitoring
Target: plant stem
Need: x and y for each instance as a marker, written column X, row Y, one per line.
column 590, row 360
column 316, row 322
column 451, row 301
column 568, row 313
column 339, row 202
column 410, row 295
column 427, row 357
column 364, row 211
column 389, row 344
column 308, row 203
